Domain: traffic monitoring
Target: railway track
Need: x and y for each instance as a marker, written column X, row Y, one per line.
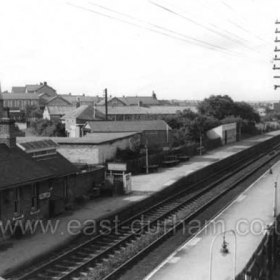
column 105, row 256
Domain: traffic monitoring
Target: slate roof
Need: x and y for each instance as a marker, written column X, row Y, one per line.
column 59, row 97
column 18, row 89
column 58, row 165
column 127, row 126
column 83, row 98
column 90, row 138
column 138, row 110
column 102, row 102
column 84, row 112
column 54, row 162
column 32, row 88
column 134, row 100
column 22, row 96
column 18, row 168
column 60, row 110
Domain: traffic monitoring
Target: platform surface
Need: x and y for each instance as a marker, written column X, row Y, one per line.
column 15, row 252
column 248, row 216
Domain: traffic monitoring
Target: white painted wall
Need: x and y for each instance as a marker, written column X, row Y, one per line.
column 93, row 154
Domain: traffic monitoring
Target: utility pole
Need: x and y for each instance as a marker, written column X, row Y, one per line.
column 106, row 104
column 276, row 58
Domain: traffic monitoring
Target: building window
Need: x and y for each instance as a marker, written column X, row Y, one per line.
column 17, row 201
column 35, row 197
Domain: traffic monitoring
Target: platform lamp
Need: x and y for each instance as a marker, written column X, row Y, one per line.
column 224, row 251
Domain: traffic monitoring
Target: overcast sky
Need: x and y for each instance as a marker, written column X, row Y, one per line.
column 181, row 49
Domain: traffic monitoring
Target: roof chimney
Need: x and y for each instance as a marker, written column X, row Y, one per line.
column 78, row 104
column 45, row 83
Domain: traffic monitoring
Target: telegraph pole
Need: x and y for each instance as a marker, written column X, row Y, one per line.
column 276, row 65
column 106, row 104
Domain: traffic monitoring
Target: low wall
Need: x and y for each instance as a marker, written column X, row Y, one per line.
column 84, row 182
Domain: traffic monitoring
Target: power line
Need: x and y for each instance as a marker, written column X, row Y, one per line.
column 223, row 50
column 159, row 27
column 199, row 24
column 166, row 32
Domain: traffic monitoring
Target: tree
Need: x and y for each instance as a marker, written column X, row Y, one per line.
column 246, row 112
column 218, row 106
column 33, row 112
column 45, row 127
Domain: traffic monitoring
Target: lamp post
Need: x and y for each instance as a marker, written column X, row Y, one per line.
column 224, row 251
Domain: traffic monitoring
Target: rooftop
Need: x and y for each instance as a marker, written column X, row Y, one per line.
column 138, row 110
column 90, row 138
column 82, row 98
column 84, row 112
column 60, row 110
column 18, row 168
column 134, row 100
column 23, row 96
column 127, row 126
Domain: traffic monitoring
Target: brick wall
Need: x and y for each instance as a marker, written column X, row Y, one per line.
column 83, row 183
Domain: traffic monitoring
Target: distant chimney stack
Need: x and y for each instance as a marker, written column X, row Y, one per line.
column 78, row 104
column 45, row 83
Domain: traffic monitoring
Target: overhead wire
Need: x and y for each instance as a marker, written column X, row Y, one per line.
column 244, row 20
column 156, row 29
column 172, row 11
column 224, row 50
column 205, row 27
column 157, row 26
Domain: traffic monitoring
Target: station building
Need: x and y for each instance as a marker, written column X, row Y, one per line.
column 36, row 181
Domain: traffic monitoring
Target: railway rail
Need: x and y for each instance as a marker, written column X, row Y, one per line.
column 106, row 256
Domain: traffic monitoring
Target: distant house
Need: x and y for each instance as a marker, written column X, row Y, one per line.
column 58, row 100
column 37, row 88
column 112, row 102
column 226, row 132
column 20, row 100
column 155, row 133
column 18, row 90
column 140, row 100
column 56, row 112
column 78, row 100
column 131, row 101
column 75, row 119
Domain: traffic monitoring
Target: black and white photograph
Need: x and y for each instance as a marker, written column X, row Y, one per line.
column 139, row 139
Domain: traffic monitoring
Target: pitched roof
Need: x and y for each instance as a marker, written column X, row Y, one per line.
column 127, row 126
column 135, row 100
column 51, row 160
column 90, row 138
column 82, row 98
column 58, row 97
column 138, row 110
column 59, row 110
column 84, row 112
column 22, row 96
column 32, row 88
column 58, row 165
column 18, row 89
column 18, row 168
column 102, row 102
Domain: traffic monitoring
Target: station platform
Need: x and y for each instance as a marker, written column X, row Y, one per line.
column 16, row 252
column 248, row 216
